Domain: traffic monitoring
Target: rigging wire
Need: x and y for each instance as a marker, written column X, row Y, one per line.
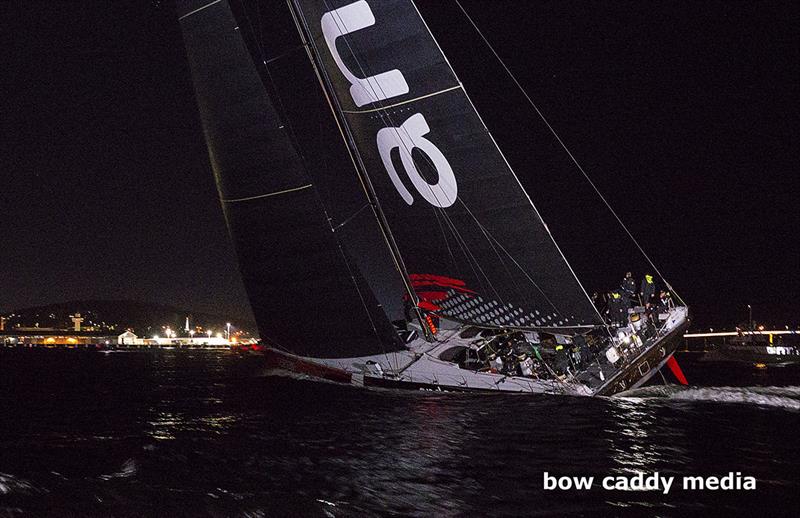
column 564, row 146
column 383, row 113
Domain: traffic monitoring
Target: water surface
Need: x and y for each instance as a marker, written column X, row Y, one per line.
column 175, row 433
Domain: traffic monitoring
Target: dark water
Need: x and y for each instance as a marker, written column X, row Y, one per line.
column 172, row 433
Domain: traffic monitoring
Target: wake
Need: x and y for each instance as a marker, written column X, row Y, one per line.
column 787, row 398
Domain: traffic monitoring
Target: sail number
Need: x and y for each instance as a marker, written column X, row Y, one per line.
column 410, row 134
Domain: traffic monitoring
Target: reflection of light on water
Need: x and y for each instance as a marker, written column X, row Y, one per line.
column 634, row 451
column 219, row 421
column 165, row 425
column 642, row 439
column 411, row 460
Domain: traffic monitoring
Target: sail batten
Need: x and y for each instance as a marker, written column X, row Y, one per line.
column 267, row 195
column 401, row 103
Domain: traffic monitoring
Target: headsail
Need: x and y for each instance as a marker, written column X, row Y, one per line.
column 453, row 204
column 305, row 292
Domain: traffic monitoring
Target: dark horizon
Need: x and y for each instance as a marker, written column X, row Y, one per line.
column 684, row 115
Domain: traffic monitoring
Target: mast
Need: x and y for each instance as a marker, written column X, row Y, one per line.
column 358, row 164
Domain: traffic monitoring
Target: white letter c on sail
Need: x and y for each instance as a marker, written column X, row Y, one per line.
column 407, row 137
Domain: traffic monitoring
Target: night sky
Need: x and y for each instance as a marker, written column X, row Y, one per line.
column 684, row 114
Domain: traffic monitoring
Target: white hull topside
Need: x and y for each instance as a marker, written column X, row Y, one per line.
column 419, row 367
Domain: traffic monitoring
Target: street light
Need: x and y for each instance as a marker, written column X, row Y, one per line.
column 750, row 321
column 228, row 326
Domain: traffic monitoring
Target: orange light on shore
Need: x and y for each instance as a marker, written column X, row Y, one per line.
column 72, row 340
column 50, row 340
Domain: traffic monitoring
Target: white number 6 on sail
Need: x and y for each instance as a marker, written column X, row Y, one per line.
column 407, row 137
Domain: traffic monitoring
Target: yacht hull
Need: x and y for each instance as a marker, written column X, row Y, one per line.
column 424, row 371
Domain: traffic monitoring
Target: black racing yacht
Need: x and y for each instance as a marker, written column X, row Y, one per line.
column 382, row 237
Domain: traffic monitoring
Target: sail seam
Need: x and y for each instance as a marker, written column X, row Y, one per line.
column 456, row 87
column 199, row 9
column 276, row 193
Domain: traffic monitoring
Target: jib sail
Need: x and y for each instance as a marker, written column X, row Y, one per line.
column 305, row 292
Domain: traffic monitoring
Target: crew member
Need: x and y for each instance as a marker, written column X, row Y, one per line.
column 628, row 286
column 663, row 304
column 647, row 290
column 584, row 353
column 651, row 312
column 562, row 362
column 666, row 298
column 617, row 308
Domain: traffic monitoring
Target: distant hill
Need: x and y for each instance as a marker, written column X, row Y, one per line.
column 117, row 315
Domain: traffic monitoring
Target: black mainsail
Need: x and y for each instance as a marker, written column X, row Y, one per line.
column 305, row 291
column 468, row 233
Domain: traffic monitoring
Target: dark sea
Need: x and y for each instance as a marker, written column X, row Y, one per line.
column 179, row 433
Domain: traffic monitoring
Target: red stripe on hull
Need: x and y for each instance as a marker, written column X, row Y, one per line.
column 279, row 360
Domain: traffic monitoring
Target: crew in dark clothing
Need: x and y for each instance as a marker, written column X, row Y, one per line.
column 628, row 287
column 647, row 290
column 562, row 361
column 583, row 352
column 617, row 308
column 663, row 303
column 652, row 318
